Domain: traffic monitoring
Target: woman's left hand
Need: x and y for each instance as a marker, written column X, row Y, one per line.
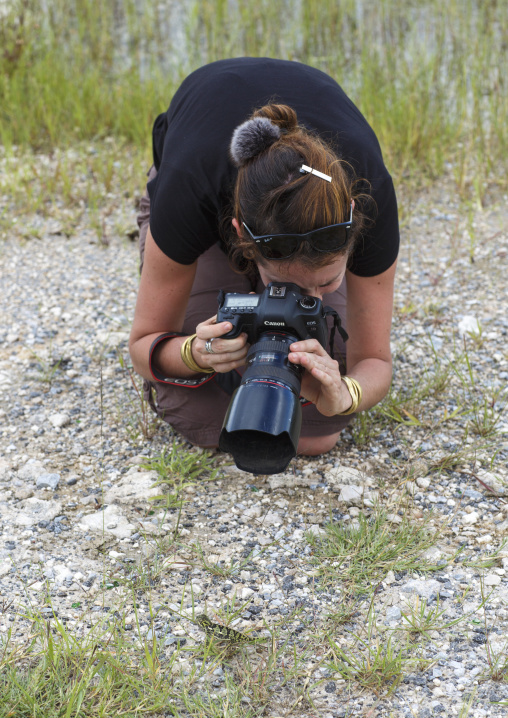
column 321, row 382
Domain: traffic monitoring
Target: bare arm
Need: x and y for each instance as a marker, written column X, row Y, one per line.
column 369, row 318
column 163, row 295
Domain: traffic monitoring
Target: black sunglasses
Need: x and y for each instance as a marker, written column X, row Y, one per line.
column 325, row 239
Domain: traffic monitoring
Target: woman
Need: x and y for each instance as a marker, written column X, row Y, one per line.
column 307, row 159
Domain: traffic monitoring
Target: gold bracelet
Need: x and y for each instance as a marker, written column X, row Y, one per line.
column 355, row 390
column 188, row 359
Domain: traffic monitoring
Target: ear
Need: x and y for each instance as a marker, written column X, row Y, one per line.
column 236, row 225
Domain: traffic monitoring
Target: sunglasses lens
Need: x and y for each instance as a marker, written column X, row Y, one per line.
column 279, row 248
column 329, row 239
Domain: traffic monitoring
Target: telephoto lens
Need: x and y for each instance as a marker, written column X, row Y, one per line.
column 263, row 422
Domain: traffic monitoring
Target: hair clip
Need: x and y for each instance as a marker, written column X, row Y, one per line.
column 305, row 169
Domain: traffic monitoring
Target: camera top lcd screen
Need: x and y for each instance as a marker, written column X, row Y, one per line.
column 242, row 300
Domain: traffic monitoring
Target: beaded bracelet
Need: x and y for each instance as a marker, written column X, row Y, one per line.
column 188, row 359
column 355, row 390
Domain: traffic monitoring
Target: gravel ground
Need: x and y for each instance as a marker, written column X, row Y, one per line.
column 75, row 519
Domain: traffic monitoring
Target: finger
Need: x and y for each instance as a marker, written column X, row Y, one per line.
column 210, row 330
column 309, row 345
column 309, row 361
column 222, row 346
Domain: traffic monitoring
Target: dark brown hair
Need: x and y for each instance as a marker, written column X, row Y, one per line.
column 272, row 196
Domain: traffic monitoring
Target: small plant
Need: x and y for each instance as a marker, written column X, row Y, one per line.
column 143, row 420
column 371, row 662
column 47, row 366
column 220, row 568
column 358, row 557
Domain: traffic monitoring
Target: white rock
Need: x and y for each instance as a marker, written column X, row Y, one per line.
column 389, row 578
column 422, row 588
column 62, row 573
column 59, row 420
column 5, row 468
column 5, row 567
column 288, row 481
column 48, row 481
column 100, row 520
column 351, row 495
column 271, row 518
column 423, row 482
column 134, row 486
column 253, row 512
column 31, row 470
column 469, row 324
column 470, row 519
column 393, row 613
column 246, row 593
column 345, row 476
column 497, row 481
column 33, row 510
column 492, row 579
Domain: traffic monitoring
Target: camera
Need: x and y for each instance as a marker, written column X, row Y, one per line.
column 263, row 421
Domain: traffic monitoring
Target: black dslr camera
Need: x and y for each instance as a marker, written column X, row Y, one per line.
column 263, row 422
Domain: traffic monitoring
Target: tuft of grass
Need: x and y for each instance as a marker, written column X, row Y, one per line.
column 57, row 674
column 372, row 662
column 357, row 557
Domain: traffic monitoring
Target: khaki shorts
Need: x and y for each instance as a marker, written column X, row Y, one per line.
column 197, row 414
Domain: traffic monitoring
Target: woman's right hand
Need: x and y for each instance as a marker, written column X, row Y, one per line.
column 227, row 353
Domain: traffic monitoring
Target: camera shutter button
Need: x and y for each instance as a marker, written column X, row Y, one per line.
column 308, row 302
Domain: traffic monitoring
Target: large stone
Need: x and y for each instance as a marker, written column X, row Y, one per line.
column 31, row 470
column 134, row 486
column 288, row 481
column 48, row 481
column 5, row 469
column 110, row 521
column 351, row 495
column 33, row 510
column 498, row 482
column 59, row 420
column 422, row 588
column 341, row 476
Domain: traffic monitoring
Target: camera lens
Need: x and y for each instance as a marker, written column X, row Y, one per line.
column 263, row 422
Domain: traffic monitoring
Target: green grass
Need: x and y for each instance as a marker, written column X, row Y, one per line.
column 428, row 77
column 358, row 557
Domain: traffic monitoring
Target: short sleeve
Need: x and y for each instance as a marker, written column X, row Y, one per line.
column 378, row 247
column 183, row 218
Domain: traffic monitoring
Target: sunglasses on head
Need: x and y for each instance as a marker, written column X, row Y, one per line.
column 325, row 239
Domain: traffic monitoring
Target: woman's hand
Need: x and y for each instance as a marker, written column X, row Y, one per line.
column 321, row 382
column 227, row 353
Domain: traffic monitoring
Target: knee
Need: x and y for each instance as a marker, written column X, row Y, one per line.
column 314, row 445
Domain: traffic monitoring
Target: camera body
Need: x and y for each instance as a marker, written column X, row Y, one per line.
column 281, row 308
column 263, row 422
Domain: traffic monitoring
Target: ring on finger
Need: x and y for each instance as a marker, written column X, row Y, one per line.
column 208, row 346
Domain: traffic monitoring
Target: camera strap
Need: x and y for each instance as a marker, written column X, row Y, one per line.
column 337, row 326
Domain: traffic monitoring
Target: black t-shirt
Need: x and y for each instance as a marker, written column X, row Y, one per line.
column 193, row 187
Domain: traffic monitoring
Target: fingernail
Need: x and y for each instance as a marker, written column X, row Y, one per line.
column 227, row 326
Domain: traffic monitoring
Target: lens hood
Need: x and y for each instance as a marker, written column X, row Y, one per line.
column 262, row 426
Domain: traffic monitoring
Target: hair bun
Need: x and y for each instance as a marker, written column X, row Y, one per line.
column 251, row 138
